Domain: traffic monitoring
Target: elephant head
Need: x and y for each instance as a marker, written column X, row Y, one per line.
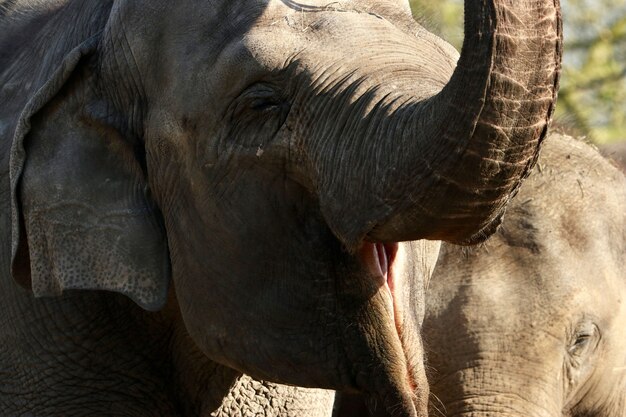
column 616, row 152
column 268, row 155
column 532, row 324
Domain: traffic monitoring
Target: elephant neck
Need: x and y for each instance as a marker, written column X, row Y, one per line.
column 206, row 388
column 197, row 384
column 202, row 386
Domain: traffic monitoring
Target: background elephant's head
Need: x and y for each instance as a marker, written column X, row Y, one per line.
column 270, row 153
column 616, row 152
column 532, row 324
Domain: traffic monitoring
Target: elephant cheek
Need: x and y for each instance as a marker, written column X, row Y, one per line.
column 247, row 309
column 291, row 306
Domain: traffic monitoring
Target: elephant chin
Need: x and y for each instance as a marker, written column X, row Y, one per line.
column 379, row 258
column 380, row 261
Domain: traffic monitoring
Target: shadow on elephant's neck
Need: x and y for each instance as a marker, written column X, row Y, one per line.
column 199, row 385
column 196, row 381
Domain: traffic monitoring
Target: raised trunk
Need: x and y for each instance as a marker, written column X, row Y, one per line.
column 468, row 147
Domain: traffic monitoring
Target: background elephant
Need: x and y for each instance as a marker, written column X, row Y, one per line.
column 265, row 156
column 617, row 152
column 532, row 322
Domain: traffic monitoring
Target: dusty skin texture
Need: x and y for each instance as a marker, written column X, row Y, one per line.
column 616, row 152
column 96, row 354
column 531, row 323
column 260, row 158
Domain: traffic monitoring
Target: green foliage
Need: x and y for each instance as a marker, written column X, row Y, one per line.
column 444, row 17
column 593, row 91
column 592, row 99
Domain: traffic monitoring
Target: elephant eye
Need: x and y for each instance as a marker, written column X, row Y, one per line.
column 265, row 103
column 261, row 98
column 256, row 115
column 581, row 340
column 584, row 338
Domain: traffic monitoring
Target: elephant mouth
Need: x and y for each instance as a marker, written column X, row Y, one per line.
column 383, row 263
column 379, row 258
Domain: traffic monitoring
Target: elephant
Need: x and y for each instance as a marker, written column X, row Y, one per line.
column 267, row 158
column 616, row 152
column 531, row 323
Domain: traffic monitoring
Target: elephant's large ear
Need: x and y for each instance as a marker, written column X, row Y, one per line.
column 82, row 215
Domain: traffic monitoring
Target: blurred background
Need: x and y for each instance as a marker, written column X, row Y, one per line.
column 592, row 99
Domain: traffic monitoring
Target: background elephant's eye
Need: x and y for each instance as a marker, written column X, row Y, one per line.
column 584, row 339
column 581, row 341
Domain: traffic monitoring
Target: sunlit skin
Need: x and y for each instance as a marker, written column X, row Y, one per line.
column 247, row 171
column 531, row 324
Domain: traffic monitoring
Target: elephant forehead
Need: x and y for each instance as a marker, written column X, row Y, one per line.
column 330, row 47
column 374, row 7
column 327, row 27
column 281, row 31
column 521, row 294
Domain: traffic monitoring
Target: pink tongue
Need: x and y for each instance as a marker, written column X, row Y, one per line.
column 383, row 261
column 378, row 257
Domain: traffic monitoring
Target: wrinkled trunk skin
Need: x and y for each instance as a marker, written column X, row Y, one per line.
column 482, row 361
column 451, row 161
column 491, row 407
column 483, row 391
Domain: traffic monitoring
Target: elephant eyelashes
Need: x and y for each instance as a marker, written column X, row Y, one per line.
column 584, row 339
column 263, row 104
column 260, row 98
column 580, row 343
column 257, row 114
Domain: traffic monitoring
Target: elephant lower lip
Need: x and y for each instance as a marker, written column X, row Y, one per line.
column 380, row 260
column 384, row 274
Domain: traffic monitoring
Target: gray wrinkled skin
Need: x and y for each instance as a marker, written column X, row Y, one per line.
column 98, row 354
column 252, row 398
column 532, row 322
column 235, row 167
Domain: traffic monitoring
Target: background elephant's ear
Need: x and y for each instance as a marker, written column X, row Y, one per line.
column 82, row 215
